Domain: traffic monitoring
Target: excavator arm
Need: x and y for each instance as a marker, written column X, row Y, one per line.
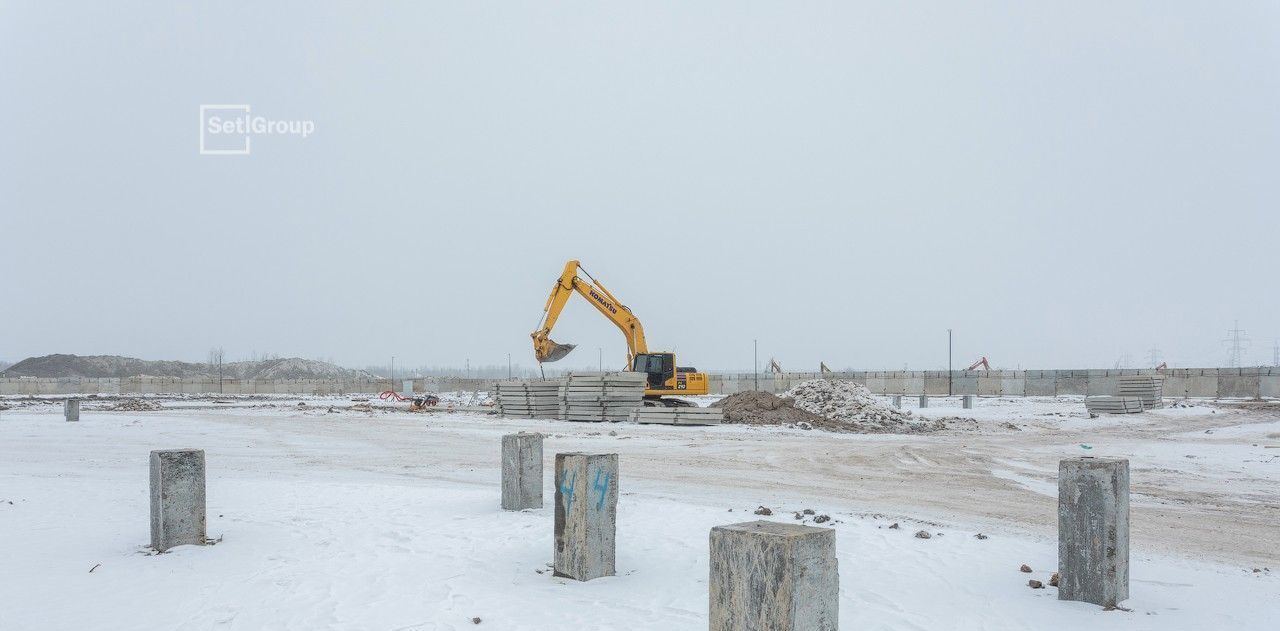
column 547, row 350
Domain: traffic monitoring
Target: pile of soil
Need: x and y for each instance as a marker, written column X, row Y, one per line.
column 762, row 408
column 836, row 406
column 135, row 405
column 853, row 405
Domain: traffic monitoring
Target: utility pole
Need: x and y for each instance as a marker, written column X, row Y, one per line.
column 600, row 350
column 1275, row 354
column 1239, row 341
column 393, row 374
column 508, row 366
column 949, row 392
column 755, row 361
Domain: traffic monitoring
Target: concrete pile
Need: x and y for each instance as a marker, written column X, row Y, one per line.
column 1149, row 389
column 1138, row 393
column 854, row 406
column 601, row 396
column 678, row 415
column 1113, row 405
column 528, row 398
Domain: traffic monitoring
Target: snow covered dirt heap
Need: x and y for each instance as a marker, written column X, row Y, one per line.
column 762, row 408
column 854, row 407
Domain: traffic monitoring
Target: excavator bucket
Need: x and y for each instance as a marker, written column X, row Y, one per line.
column 554, row 352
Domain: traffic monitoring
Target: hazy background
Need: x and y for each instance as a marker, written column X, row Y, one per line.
column 1064, row 184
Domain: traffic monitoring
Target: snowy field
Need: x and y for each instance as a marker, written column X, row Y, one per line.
column 332, row 518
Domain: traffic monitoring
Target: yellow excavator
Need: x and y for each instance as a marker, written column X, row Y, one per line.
column 665, row 377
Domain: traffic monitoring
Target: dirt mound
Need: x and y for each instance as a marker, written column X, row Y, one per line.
column 762, row 408
column 135, row 405
column 854, row 405
column 836, row 406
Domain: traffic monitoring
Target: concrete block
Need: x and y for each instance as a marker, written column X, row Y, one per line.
column 924, row 401
column 967, row 401
column 1093, row 530
column 586, row 515
column 177, row 498
column 897, row 401
column 767, row 575
column 521, row 471
column 71, row 409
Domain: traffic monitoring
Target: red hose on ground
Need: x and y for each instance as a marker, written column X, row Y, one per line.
column 387, row 395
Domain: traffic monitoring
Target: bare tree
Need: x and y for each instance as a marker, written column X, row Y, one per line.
column 215, row 363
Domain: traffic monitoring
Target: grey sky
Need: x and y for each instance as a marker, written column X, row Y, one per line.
column 1061, row 183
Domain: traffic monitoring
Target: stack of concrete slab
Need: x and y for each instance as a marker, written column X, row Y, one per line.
column 601, row 396
column 678, row 415
column 1113, row 405
column 529, row 398
column 1147, row 388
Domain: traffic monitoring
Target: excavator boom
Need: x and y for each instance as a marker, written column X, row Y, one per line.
column 547, row 350
column 664, row 376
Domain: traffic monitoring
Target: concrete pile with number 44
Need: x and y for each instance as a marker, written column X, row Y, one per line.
column 601, row 396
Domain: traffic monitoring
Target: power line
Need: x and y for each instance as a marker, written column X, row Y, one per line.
column 1239, row 342
column 1154, row 355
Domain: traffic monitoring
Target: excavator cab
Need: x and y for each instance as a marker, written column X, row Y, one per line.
column 661, row 367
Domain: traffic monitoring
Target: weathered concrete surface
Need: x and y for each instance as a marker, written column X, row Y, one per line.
column 71, row 409
column 586, row 515
column 177, row 498
column 897, row 401
column 521, row 471
column 1093, row 530
column 773, row 576
column 924, row 401
column 967, row 401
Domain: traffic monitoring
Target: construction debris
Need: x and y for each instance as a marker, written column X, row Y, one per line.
column 135, row 405
column 529, row 398
column 601, row 396
column 678, row 415
column 853, row 405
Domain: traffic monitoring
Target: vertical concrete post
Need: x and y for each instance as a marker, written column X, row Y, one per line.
column 586, row 515
column 771, row 575
column 967, row 401
column 897, row 401
column 177, row 498
column 1093, row 530
column 71, row 409
column 521, row 471
column 924, row 400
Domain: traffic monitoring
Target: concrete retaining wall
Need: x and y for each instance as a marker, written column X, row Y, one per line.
column 1245, row 383
column 1182, row 382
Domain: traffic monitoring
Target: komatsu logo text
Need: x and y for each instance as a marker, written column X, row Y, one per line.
column 607, row 305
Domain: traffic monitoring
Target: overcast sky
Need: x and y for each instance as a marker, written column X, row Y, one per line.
column 1062, row 183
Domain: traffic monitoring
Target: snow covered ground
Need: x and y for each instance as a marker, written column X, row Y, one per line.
column 389, row 520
